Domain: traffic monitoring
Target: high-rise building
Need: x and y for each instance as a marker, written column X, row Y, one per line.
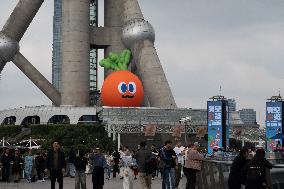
column 232, row 105
column 93, row 56
column 248, row 116
column 57, row 45
column 57, row 49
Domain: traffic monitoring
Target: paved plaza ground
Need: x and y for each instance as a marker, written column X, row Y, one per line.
column 69, row 184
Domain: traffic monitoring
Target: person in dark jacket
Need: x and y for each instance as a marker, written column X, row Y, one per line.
column 70, row 163
column 236, row 179
column 17, row 165
column 55, row 163
column 99, row 163
column 169, row 158
column 141, row 156
column 6, row 160
column 80, row 163
column 256, row 171
column 116, row 159
column 40, row 164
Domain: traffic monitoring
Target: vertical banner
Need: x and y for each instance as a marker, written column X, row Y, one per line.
column 226, row 125
column 177, row 131
column 214, row 111
column 274, row 112
column 218, row 125
column 201, row 131
column 150, row 130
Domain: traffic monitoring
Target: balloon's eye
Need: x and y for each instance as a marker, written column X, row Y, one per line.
column 132, row 87
column 122, row 87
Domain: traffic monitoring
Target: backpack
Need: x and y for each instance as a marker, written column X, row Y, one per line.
column 150, row 164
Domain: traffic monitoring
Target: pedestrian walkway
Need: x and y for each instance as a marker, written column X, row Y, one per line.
column 69, row 184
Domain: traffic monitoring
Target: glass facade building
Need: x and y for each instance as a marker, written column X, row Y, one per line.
column 232, row 105
column 57, row 45
column 248, row 116
column 93, row 56
column 57, row 49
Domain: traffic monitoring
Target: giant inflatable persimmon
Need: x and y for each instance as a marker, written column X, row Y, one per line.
column 121, row 88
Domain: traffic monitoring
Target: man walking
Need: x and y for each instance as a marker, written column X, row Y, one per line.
column 236, row 177
column 99, row 163
column 40, row 164
column 141, row 157
column 70, row 163
column 116, row 159
column 17, row 163
column 80, row 163
column 55, row 163
column 169, row 159
column 6, row 161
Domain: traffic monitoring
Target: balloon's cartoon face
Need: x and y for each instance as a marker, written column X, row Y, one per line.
column 127, row 90
column 122, row 88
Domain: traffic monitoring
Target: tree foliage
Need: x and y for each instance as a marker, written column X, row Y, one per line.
column 8, row 131
column 78, row 136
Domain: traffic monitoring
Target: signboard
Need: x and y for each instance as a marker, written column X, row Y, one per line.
column 226, row 135
column 273, row 125
column 201, row 131
column 218, row 125
column 214, row 113
column 150, row 130
column 177, row 131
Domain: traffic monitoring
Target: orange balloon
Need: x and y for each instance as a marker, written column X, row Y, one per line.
column 122, row 89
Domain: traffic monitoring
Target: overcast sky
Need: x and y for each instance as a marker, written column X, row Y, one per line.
column 202, row 44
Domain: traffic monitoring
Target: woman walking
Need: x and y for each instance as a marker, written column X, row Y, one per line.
column 127, row 161
column 29, row 163
column 192, row 165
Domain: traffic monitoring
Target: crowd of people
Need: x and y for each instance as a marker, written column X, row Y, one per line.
column 13, row 164
column 168, row 162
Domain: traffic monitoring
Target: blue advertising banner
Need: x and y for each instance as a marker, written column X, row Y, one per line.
column 227, row 126
column 273, row 126
column 214, row 121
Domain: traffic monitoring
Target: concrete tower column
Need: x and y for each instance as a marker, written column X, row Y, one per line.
column 21, row 18
column 153, row 77
column 37, row 78
column 112, row 16
column 139, row 36
column 75, row 52
column 131, row 11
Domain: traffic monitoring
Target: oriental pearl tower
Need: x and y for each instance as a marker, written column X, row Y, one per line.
column 124, row 27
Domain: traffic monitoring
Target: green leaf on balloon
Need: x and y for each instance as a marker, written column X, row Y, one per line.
column 117, row 62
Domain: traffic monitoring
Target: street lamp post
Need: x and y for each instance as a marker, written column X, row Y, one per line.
column 185, row 121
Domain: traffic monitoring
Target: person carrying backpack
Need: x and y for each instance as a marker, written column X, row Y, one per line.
column 143, row 157
column 256, row 171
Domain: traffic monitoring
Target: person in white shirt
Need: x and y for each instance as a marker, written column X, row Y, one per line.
column 179, row 150
column 127, row 161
